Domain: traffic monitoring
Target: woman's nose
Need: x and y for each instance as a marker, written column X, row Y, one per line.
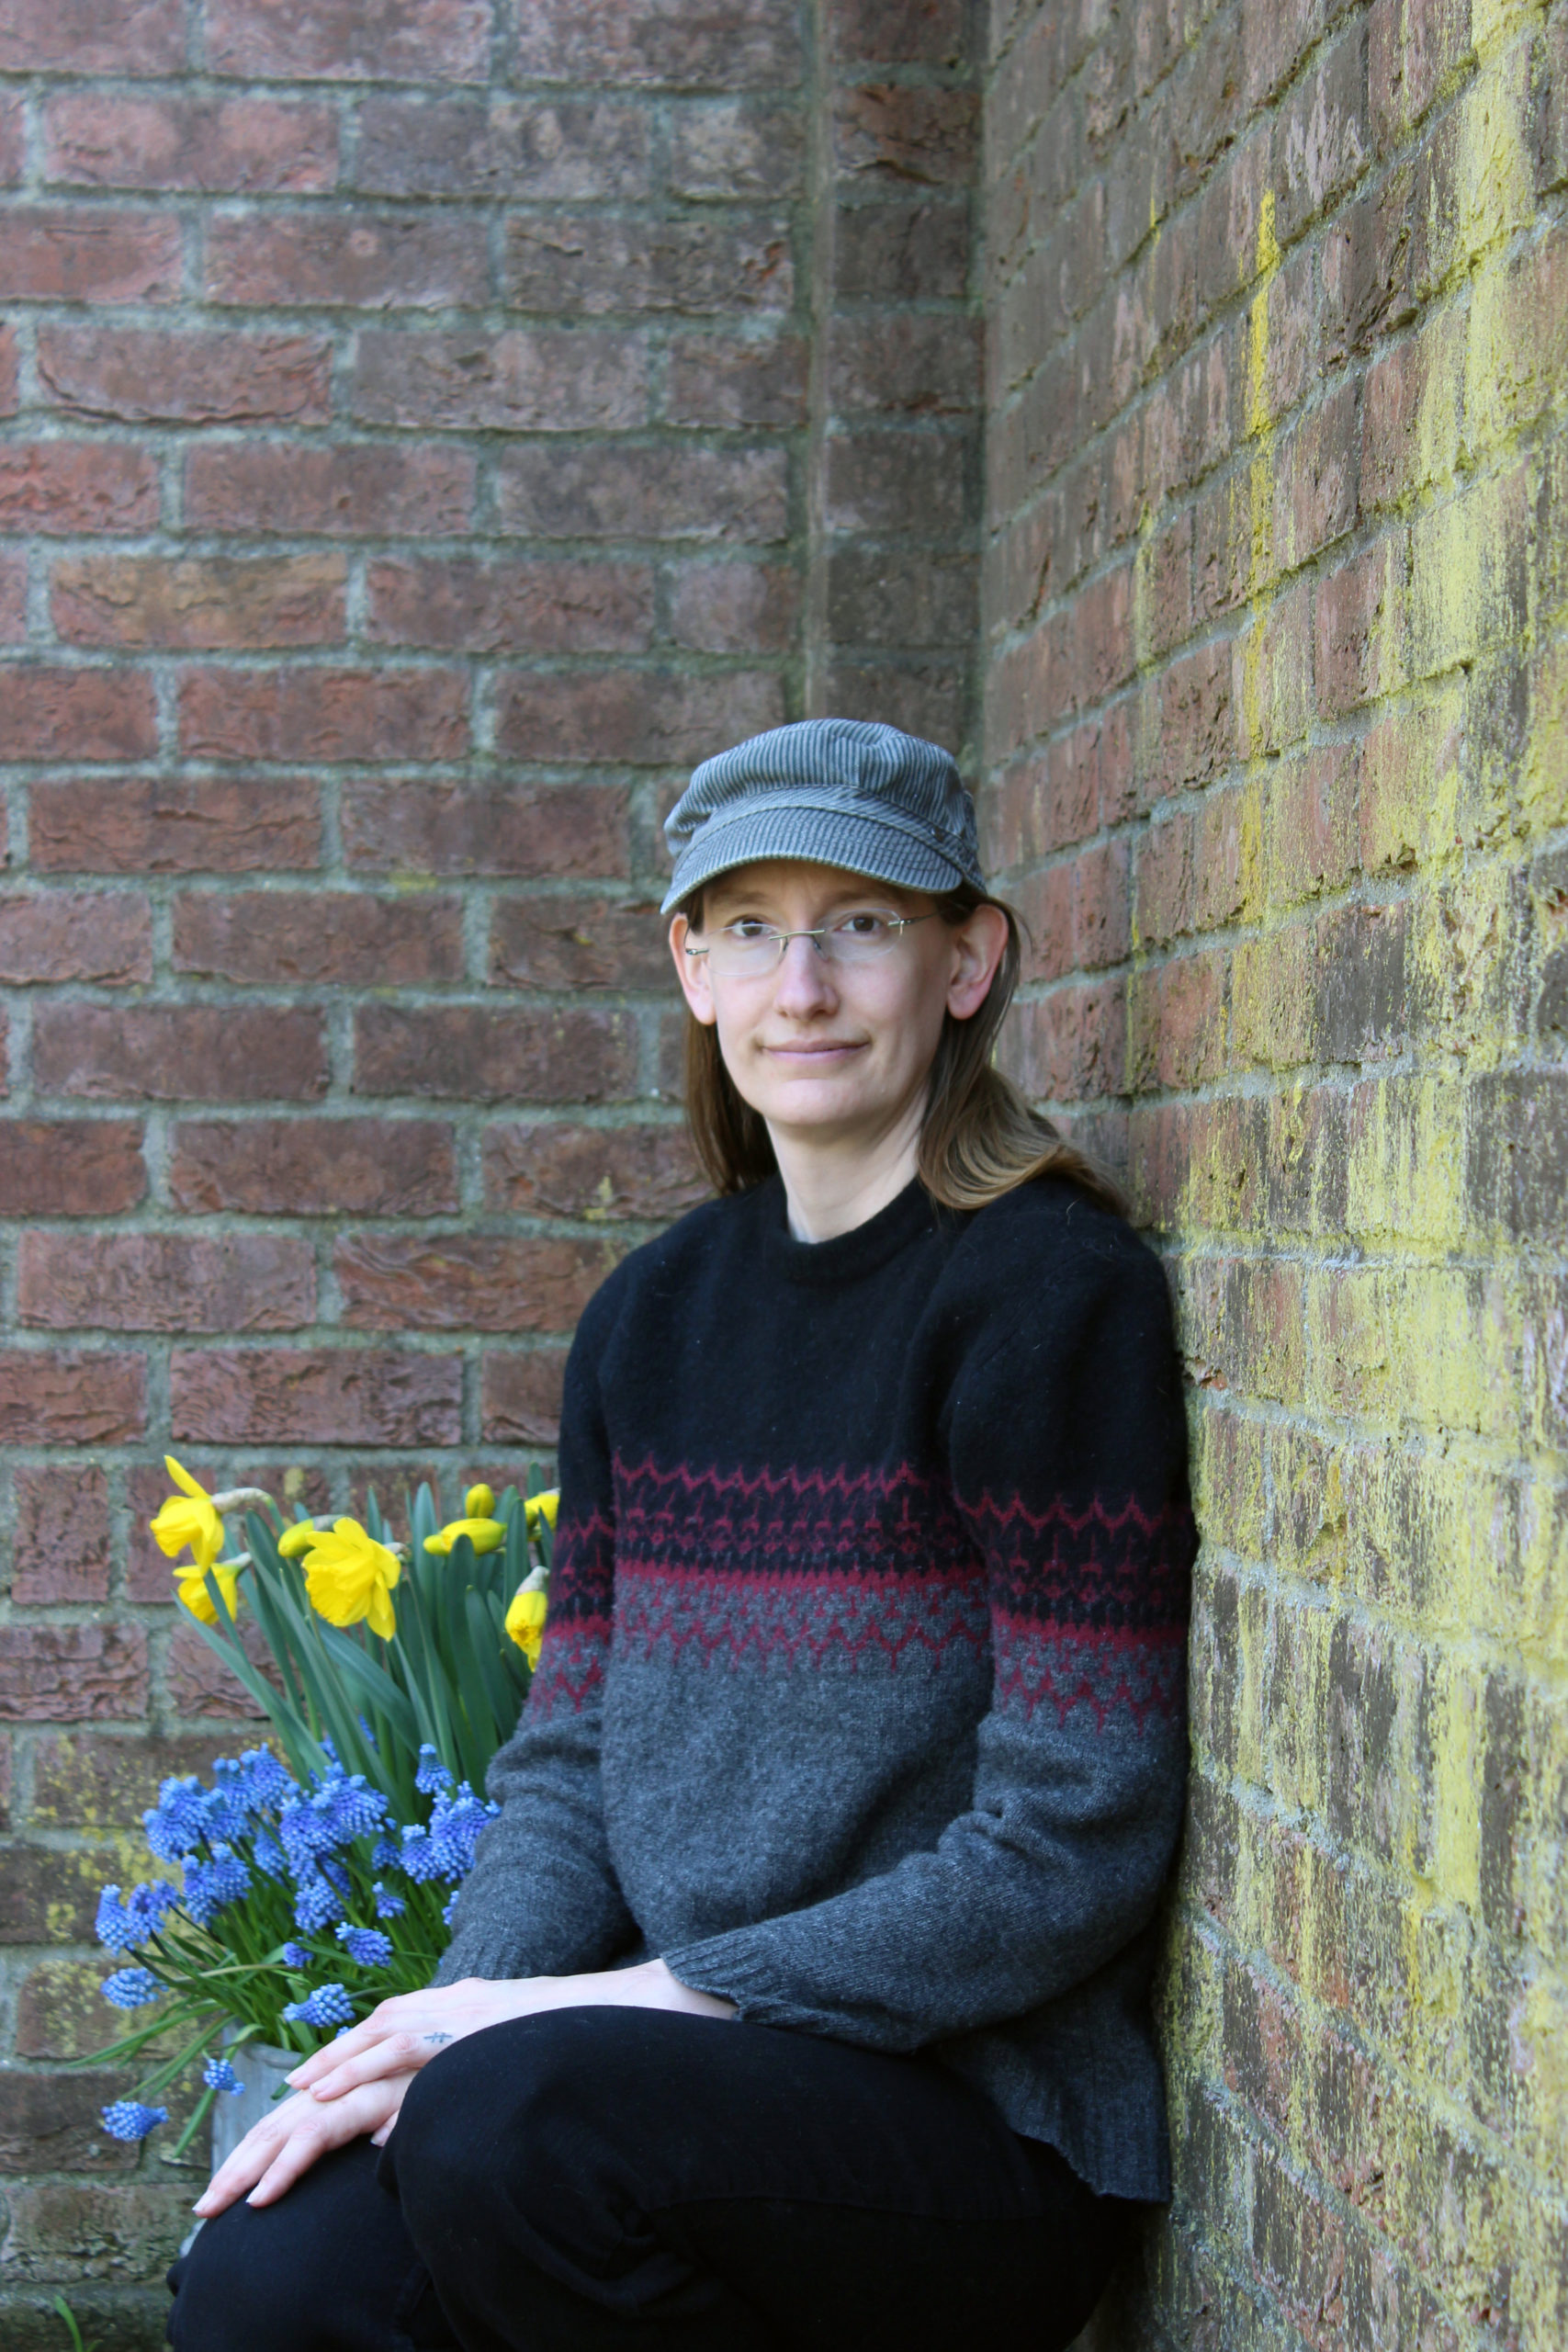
column 805, row 977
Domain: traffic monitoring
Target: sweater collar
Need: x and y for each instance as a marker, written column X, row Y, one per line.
column 848, row 1256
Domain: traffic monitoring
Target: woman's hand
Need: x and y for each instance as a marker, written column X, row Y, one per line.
column 274, row 2152
column 409, row 2031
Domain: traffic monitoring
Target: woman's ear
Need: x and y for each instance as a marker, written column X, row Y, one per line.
column 980, row 943
column 692, row 971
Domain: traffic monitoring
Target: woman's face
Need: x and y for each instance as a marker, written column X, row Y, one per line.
column 821, row 1050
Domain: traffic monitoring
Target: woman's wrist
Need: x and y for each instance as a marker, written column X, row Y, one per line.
column 656, row 1989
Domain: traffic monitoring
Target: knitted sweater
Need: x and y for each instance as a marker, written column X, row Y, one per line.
column 861, row 1699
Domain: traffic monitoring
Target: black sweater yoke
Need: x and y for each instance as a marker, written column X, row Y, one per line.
column 861, row 1695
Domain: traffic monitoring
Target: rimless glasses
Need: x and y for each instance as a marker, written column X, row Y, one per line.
column 749, row 950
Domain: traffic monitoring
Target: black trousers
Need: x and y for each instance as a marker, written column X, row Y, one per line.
column 609, row 2177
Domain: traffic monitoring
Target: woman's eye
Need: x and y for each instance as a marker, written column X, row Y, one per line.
column 865, row 926
column 750, row 927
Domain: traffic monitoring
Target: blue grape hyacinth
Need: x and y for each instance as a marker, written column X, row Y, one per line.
column 127, row 2119
column 130, row 1988
column 122, row 1927
column 218, row 2075
column 366, row 1946
column 433, row 1779
column 297, row 1955
column 328, row 2004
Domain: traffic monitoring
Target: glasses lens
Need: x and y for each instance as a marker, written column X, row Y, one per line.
column 862, row 938
column 743, row 950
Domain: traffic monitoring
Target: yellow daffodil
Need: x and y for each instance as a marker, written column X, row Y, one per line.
column 525, row 1621
column 479, row 1503
column 349, row 1576
column 484, row 1534
column 199, row 1601
column 190, row 1518
column 298, row 1539
column 543, row 1507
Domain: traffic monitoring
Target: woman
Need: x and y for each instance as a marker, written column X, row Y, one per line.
column 800, row 1993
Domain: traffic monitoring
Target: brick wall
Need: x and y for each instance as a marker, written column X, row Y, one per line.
column 1277, row 679
column 424, row 430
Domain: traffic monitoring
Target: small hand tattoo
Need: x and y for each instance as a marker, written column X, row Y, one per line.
column 437, row 2038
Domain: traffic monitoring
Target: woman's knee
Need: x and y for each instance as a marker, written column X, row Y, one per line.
column 323, row 2267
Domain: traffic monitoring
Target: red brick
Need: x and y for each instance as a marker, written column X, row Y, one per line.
column 1101, row 933
column 555, row 263
column 66, row 1674
column 282, row 938
column 165, row 1281
column 323, row 1397
column 7, row 371
column 201, row 1689
column 1044, row 904
column 736, row 148
column 877, row 598
column 916, row 252
column 1313, row 842
column 928, row 697
column 350, row 260
column 1415, row 49
column 899, row 32
column 482, row 1056
column 658, row 493
column 51, row 255
column 1196, row 735
column 520, row 1396
column 324, row 713
column 174, row 825
column 579, row 942
column 525, row 380
column 13, row 140
column 351, row 493
column 734, row 608
column 71, row 486
column 295, row 1167
column 1177, row 1022
column 713, row 380
column 530, row 149
column 913, row 365
column 14, row 628
column 643, row 718
column 179, row 1053
column 341, row 40
column 1166, row 885
column 599, row 1173
column 748, row 44
column 208, row 604
column 467, row 1281
column 1356, row 614
column 145, row 378
column 51, row 2122
column 75, row 936
column 85, row 1780
column 561, row 829
column 889, row 130
column 60, row 1540
column 1321, row 135
column 895, row 482
column 71, row 1167
column 221, row 146
column 466, row 606
column 70, row 1398
column 1071, row 1046
column 93, row 36
column 77, row 714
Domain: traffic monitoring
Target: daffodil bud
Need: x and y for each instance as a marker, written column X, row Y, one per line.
column 479, row 1503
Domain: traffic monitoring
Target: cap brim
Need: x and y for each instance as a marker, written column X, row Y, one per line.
column 825, row 836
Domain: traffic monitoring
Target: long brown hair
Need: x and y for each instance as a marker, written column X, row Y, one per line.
column 978, row 1138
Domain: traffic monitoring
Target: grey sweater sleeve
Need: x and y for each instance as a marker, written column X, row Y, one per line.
column 542, row 1899
column 1066, row 1454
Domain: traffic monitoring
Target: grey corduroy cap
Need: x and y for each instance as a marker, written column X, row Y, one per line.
column 836, row 792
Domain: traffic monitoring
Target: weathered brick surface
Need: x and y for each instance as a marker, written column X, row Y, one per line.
column 1273, row 555
column 425, row 430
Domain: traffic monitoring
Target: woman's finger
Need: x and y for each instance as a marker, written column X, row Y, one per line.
column 400, row 2054
column 363, row 2111
column 389, row 2017
column 250, row 2158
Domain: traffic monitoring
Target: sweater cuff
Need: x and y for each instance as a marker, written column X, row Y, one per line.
column 733, row 1968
